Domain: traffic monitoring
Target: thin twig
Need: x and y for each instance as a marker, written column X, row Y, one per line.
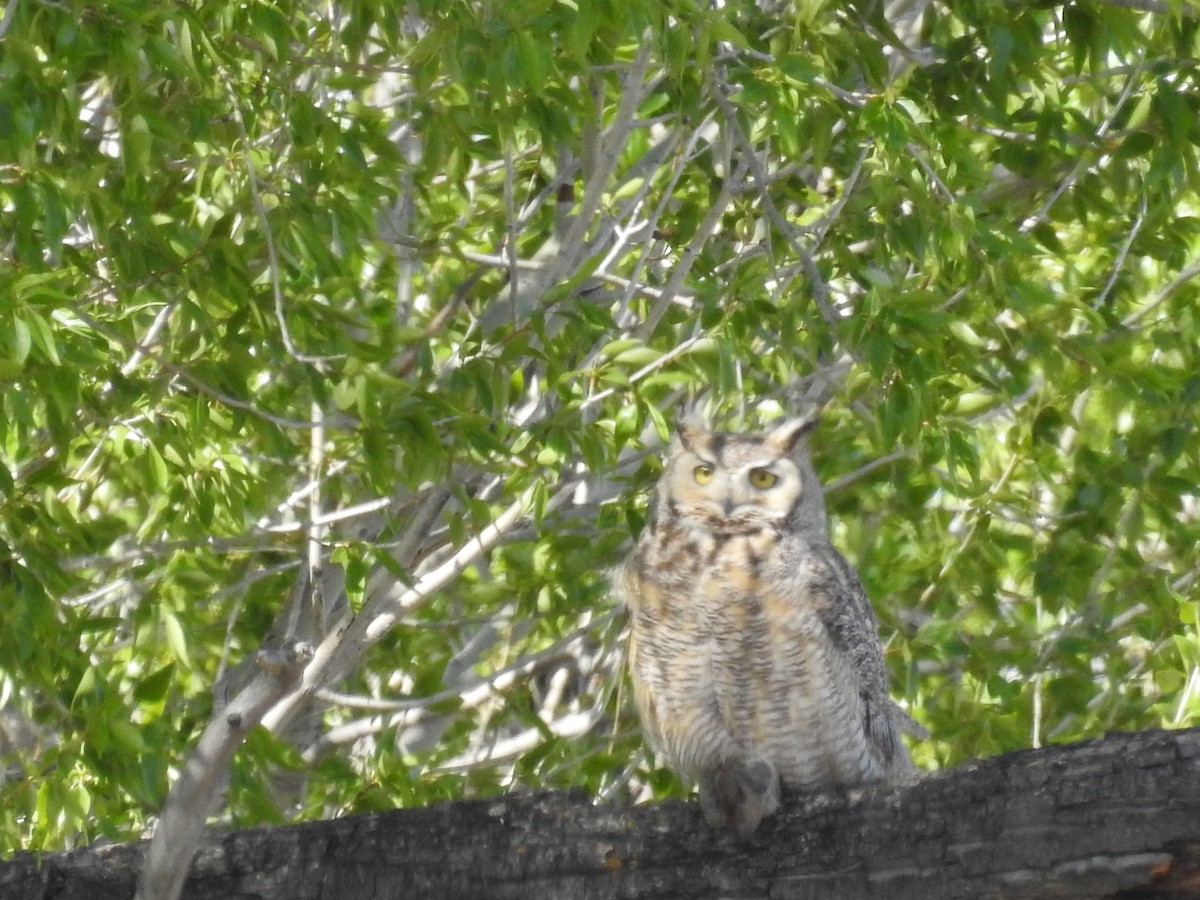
column 678, row 350
column 864, row 470
column 537, row 265
column 10, row 13
column 708, row 226
column 510, row 231
column 606, row 154
column 388, row 600
column 336, row 421
column 667, row 196
column 969, row 536
column 1185, row 275
column 821, row 228
column 929, row 171
column 260, row 209
column 1084, row 164
column 820, row 290
column 471, row 695
column 314, row 531
column 1122, row 254
column 569, row 726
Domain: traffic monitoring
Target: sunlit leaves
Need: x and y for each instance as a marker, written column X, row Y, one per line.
column 271, row 265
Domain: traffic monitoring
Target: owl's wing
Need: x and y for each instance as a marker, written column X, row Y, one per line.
column 849, row 620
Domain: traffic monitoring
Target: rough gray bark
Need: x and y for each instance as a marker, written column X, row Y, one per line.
column 1118, row 817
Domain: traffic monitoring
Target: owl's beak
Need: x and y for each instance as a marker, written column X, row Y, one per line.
column 727, row 506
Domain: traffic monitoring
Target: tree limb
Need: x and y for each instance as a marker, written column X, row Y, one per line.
column 199, row 787
column 1118, row 817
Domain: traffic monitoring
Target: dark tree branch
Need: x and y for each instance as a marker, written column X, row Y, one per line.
column 1118, row 817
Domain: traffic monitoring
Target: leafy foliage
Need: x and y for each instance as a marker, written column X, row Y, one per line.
column 394, row 294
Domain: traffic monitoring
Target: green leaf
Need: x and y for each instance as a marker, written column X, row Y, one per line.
column 136, row 146
column 175, row 636
column 153, row 688
column 225, row 222
column 724, row 30
column 42, row 336
column 20, row 341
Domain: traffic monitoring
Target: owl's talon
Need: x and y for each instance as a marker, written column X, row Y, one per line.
column 739, row 794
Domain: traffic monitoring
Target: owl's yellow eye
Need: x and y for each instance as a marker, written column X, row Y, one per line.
column 762, row 479
column 703, row 473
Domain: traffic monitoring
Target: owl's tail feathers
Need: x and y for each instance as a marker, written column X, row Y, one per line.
column 889, row 752
column 906, row 723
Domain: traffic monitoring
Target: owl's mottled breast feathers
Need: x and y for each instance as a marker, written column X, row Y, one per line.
column 754, row 652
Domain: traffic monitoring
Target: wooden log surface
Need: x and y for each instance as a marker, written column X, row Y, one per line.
column 1117, row 817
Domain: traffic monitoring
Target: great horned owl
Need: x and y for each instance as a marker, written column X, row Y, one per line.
column 755, row 658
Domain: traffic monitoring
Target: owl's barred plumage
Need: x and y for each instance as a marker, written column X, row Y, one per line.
column 755, row 657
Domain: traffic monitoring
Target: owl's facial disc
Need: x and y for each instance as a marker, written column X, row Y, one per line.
column 753, row 493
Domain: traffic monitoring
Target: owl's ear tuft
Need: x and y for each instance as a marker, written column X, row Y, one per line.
column 787, row 435
column 692, row 422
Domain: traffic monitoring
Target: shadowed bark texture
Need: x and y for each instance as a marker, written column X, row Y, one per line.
column 1118, row 817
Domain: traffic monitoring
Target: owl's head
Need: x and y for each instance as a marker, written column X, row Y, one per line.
column 742, row 481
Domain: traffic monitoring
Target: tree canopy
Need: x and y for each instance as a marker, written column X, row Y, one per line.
column 319, row 310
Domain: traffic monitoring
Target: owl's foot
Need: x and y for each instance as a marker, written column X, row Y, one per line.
column 739, row 793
